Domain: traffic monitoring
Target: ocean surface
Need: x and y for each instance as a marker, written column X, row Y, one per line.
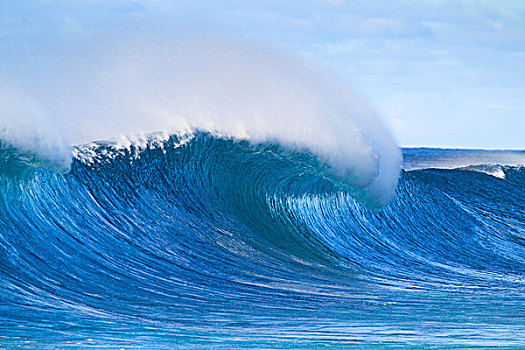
column 214, row 242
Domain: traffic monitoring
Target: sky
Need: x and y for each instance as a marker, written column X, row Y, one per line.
column 440, row 73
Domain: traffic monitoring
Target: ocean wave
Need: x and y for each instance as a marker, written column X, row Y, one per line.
column 179, row 236
column 254, row 201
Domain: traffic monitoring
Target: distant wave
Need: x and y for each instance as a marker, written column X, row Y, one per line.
column 426, row 158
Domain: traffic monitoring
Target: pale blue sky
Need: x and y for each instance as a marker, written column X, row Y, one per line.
column 439, row 73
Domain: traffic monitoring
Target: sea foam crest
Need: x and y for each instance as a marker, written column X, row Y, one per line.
column 131, row 145
column 140, row 81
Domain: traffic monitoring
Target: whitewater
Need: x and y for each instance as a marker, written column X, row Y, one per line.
column 162, row 192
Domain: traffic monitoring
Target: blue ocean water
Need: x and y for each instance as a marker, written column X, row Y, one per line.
column 209, row 242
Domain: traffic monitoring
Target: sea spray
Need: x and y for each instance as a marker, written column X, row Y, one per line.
column 129, row 82
column 28, row 135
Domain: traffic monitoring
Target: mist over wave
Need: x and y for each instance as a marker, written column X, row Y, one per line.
column 140, row 81
column 31, row 135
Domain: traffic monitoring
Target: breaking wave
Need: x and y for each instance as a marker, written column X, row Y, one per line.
column 199, row 238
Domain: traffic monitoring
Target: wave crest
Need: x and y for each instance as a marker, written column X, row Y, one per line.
column 141, row 82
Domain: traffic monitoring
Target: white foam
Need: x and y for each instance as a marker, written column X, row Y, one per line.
column 139, row 81
column 489, row 169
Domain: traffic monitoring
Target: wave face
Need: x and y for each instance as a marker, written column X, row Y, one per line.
column 200, row 240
